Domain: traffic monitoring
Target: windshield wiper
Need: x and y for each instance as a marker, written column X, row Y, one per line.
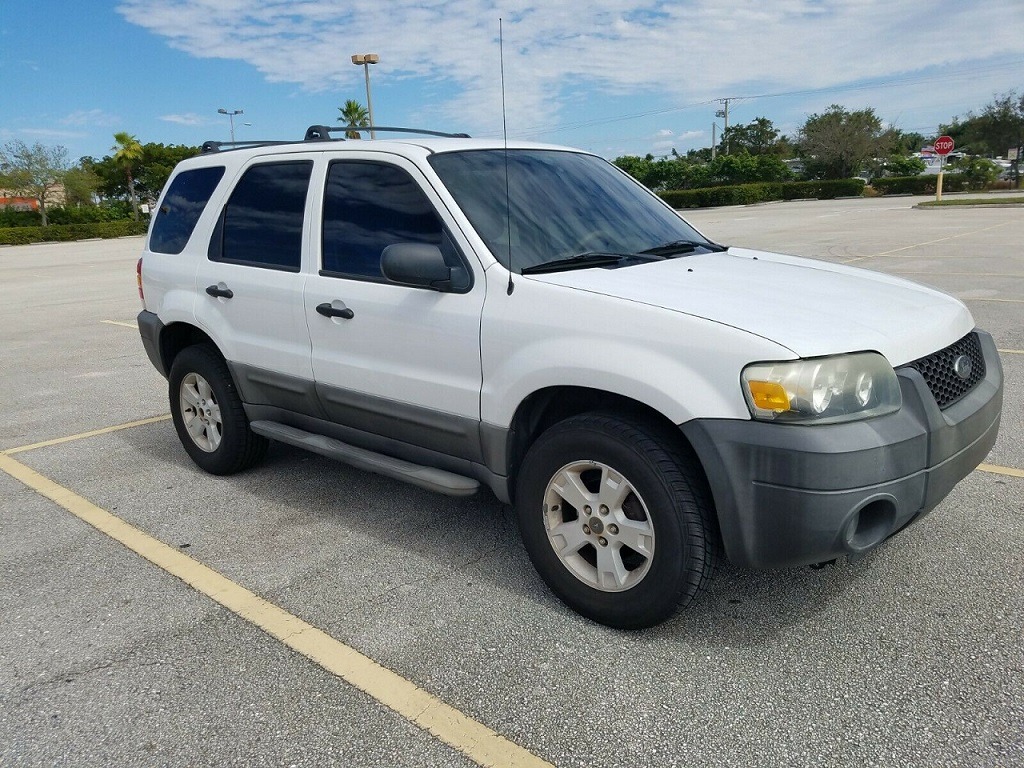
column 582, row 261
column 676, row 247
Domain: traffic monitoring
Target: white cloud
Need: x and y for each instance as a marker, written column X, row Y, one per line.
column 91, row 117
column 50, row 133
column 685, row 52
column 189, row 118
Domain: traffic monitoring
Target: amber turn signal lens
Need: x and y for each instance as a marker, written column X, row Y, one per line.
column 769, row 395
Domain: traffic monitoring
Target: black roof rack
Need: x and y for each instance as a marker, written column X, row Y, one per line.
column 323, row 133
column 218, row 146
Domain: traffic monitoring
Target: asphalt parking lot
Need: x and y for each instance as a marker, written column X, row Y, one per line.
column 308, row 614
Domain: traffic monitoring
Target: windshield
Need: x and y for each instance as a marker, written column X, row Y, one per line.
column 562, row 204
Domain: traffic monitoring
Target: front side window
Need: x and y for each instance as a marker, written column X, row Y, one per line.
column 558, row 205
column 261, row 225
column 181, row 208
column 369, row 206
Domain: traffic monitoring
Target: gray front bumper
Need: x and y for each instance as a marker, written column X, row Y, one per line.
column 796, row 494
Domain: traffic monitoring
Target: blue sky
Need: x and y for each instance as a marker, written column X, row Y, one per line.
column 612, row 76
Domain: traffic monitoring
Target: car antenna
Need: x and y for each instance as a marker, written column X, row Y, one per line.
column 504, row 134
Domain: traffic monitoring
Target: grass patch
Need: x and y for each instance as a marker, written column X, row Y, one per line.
column 1014, row 200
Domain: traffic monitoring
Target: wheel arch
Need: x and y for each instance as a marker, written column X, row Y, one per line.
column 176, row 337
column 548, row 406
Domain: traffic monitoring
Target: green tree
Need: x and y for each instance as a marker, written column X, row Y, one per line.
column 657, row 174
column 903, row 165
column 151, row 171
column 741, row 168
column 80, row 185
column 838, row 143
column 998, row 127
column 701, row 155
column 156, row 165
column 908, row 143
column 127, row 153
column 678, row 172
column 978, row 171
column 354, row 115
column 636, row 166
column 37, row 171
column 758, row 137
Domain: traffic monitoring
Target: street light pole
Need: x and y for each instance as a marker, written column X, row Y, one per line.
column 231, row 117
column 366, row 59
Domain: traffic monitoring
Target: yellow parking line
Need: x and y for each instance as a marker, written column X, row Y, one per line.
column 1005, row 301
column 929, row 242
column 995, row 469
column 933, row 273
column 470, row 737
column 133, row 326
column 83, row 435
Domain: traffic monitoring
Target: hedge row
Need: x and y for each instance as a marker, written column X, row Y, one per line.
column 822, row 190
column 66, row 232
column 86, row 214
column 745, row 194
column 919, row 185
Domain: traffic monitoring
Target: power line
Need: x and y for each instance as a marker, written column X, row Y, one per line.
column 539, row 130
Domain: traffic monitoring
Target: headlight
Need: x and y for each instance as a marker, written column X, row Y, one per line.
column 822, row 391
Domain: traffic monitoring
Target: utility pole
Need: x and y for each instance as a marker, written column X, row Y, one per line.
column 724, row 114
column 714, row 141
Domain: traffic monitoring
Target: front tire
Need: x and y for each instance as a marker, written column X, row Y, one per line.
column 208, row 413
column 617, row 520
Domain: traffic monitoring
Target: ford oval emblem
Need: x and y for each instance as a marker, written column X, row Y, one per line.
column 962, row 365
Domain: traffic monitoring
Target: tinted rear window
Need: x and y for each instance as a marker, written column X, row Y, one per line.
column 262, row 222
column 181, row 207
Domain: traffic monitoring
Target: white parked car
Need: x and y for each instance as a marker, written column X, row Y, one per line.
column 457, row 313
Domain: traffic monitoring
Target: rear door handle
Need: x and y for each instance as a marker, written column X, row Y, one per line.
column 327, row 310
column 223, row 293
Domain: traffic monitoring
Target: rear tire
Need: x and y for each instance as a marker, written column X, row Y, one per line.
column 617, row 520
column 208, row 413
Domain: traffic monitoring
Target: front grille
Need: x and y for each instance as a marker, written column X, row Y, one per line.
column 939, row 370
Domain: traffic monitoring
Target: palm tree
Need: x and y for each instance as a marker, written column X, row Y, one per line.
column 354, row 115
column 127, row 152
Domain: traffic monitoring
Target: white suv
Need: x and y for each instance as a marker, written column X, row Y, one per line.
column 453, row 312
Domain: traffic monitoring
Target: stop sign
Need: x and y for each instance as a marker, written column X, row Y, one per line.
column 943, row 145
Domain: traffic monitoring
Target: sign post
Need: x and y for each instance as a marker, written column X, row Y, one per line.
column 943, row 146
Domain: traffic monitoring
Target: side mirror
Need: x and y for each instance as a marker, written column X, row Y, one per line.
column 417, row 264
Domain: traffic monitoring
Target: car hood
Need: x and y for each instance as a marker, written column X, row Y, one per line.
column 810, row 307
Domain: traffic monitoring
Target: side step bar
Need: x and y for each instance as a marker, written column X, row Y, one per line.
column 432, row 479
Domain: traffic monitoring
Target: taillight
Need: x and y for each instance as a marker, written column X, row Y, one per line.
column 138, row 278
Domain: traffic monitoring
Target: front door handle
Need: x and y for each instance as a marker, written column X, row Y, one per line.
column 223, row 293
column 327, row 310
